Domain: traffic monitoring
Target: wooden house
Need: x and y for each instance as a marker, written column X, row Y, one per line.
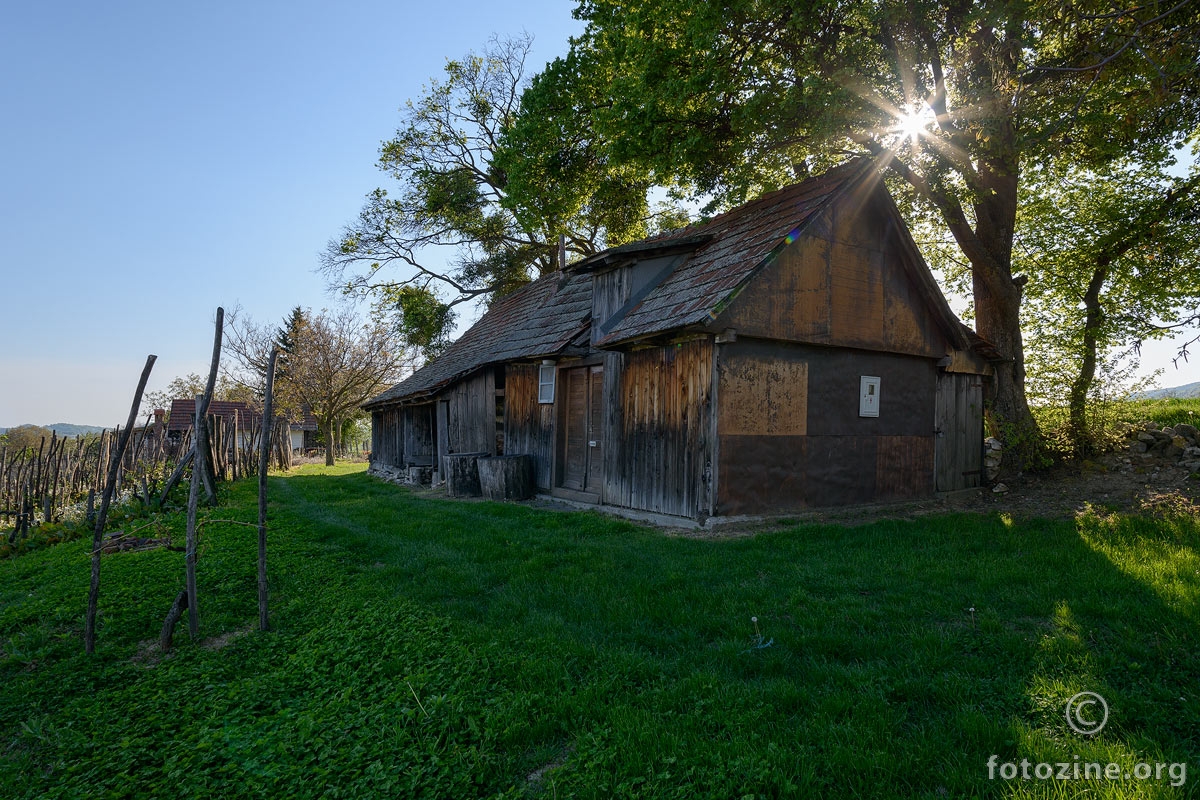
column 793, row 352
column 241, row 417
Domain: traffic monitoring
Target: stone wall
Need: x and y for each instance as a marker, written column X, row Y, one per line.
column 409, row 476
column 1179, row 444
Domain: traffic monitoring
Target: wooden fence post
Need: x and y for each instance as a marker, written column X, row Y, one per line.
column 190, row 544
column 202, row 471
column 89, row 628
column 264, row 456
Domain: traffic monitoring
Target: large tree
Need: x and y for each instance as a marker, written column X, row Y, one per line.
column 336, row 361
column 446, row 231
column 247, row 346
column 557, row 166
column 1115, row 255
column 957, row 98
column 339, row 363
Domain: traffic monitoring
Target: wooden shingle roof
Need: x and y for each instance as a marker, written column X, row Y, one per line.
column 730, row 248
column 543, row 318
column 184, row 410
column 538, row 320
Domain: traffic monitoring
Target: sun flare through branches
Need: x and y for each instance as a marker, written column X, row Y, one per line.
column 912, row 125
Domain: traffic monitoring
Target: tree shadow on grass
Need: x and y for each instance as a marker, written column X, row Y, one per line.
column 903, row 654
column 1122, row 640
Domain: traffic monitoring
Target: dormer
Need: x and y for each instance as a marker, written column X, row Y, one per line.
column 623, row 276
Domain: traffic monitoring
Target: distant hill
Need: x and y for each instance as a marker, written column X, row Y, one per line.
column 1187, row 390
column 66, row 429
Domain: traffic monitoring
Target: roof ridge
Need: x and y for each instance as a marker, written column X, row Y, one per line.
column 849, row 166
column 541, row 318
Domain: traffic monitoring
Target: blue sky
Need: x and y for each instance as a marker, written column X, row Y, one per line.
column 160, row 159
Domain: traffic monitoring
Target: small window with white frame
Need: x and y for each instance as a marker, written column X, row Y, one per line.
column 546, row 382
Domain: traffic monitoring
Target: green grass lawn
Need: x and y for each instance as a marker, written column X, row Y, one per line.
column 1165, row 411
column 429, row 648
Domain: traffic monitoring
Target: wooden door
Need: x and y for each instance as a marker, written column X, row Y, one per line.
column 595, row 439
column 583, row 447
column 958, row 426
column 442, row 436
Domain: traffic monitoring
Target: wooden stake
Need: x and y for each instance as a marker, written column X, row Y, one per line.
column 204, row 454
column 201, row 472
column 264, row 456
column 168, row 628
column 190, row 546
column 89, row 628
column 176, row 474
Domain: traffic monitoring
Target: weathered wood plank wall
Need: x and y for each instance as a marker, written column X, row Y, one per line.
column 471, row 414
column 610, row 291
column 959, row 424
column 419, row 434
column 528, row 424
column 580, row 423
column 387, row 436
column 844, row 284
column 658, row 428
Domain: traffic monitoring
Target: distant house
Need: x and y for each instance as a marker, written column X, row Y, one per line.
column 791, row 353
column 304, row 433
column 238, row 416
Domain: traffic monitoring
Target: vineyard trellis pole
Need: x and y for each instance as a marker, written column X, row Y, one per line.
column 89, row 630
column 263, row 460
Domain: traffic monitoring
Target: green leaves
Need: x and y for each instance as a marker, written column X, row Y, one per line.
column 481, row 193
column 1113, row 257
column 423, row 319
column 730, row 100
column 447, row 197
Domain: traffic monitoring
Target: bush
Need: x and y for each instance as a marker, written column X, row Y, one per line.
column 1109, row 422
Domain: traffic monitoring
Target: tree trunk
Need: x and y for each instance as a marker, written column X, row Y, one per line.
column 507, row 477
column 998, row 303
column 1081, row 438
column 329, row 441
column 998, row 319
column 462, row 474
column 991, row 170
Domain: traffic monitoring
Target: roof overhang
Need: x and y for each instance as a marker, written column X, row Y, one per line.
column 637, row 251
